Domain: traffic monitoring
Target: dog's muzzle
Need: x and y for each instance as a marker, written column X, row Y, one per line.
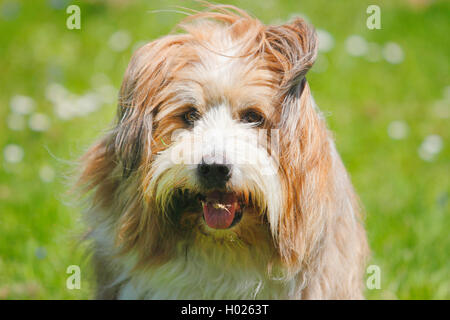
column 213, row 175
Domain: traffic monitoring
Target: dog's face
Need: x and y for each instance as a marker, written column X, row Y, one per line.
column 216, row 131
column 211, row 166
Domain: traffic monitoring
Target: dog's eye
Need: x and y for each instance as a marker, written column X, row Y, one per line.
column 253, row 117
column 191, row 116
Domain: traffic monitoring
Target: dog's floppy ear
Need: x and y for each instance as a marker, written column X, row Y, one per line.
column 148, row 72
column 134, row 113
column 294, row 47
column 304, row 145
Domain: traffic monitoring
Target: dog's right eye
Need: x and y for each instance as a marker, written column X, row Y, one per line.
column 191, row 116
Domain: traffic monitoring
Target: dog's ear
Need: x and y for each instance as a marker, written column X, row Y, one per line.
column 304, row 145
column 148, row 72
column 294, row 47
column 134, row 114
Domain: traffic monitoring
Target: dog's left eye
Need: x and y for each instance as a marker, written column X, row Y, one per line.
column 253, row 117
column 191, row 116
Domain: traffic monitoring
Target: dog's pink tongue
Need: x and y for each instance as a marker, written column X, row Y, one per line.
column 219, row 209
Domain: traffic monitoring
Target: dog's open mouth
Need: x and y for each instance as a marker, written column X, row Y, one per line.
column 221, row 210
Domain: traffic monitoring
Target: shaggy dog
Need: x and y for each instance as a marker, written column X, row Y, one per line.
column 220, row 179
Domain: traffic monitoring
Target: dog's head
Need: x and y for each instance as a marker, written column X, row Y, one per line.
column 217, row 142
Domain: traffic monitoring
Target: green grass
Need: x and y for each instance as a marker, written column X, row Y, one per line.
column 406, row 197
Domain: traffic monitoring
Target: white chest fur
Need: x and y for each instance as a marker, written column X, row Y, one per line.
column 194, row 277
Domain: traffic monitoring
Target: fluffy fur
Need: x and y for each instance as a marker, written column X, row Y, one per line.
column 300, row 236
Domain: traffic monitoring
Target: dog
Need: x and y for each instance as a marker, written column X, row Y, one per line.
column 220, row 179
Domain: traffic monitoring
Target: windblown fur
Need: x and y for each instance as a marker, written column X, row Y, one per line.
column 300, row 236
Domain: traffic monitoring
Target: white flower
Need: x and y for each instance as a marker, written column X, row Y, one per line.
column 398, row 130
column 68, row 105
column 65, row 109
column 55, row 92
column 13, row 153
column 87, row 103
column 326, row 40
column 393, row 53
column 430, row 147
column 39, row 122
column 120, row 40
column 46, row 173
column 356, row 45
column 22, row 104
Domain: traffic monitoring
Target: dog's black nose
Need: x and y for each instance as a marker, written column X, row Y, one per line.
column 214, row 174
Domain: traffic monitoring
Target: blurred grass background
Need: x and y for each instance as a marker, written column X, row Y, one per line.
column 386, row 94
